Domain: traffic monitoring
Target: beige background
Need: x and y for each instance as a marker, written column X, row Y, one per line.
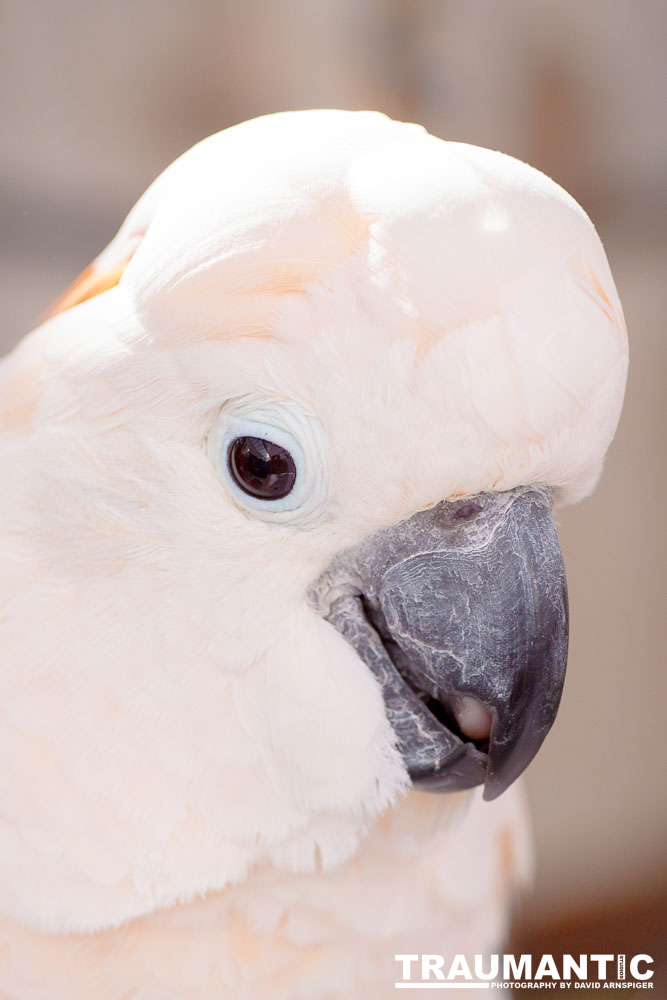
column 97, row 97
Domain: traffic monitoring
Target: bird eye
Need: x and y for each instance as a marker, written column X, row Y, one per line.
column 273, row 460
column 261, row 468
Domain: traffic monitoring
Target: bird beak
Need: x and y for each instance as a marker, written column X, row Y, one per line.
column 461, row 614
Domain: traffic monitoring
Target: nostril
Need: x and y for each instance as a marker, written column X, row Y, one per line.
column 474, row 719
column 466, row 511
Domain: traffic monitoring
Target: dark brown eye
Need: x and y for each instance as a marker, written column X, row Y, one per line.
column 466, row 511
column 261, row 468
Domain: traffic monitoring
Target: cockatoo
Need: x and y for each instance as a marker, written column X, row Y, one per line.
column 279, row 564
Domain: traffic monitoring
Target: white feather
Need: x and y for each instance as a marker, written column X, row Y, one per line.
column 177, row 719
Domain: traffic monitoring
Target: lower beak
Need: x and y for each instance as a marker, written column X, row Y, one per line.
column 461, row 614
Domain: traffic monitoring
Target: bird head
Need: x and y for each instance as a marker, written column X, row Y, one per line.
column 307, row 418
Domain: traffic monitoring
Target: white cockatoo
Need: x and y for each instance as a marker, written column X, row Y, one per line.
column 279, row 564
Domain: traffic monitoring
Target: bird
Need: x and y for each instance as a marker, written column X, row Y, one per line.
column 283, row 613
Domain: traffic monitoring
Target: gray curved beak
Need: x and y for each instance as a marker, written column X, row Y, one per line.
column 462, row 606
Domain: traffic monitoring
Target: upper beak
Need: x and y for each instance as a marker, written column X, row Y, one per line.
column 461, row 614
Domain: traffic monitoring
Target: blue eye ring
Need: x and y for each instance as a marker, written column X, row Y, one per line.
column 274, row 460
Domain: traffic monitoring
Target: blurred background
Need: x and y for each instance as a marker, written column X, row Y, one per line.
column 98, row 97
